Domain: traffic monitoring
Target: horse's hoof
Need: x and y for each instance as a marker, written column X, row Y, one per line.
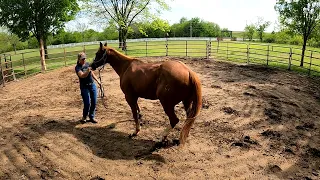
column 132, row 135
column 139, row 116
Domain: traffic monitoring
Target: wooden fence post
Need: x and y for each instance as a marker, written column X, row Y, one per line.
column 146, row 48
column 24, row 64
column 186, row 48
column 290, row 58
column 207, row 50
column 248, row 54
column 167, row 47
column 64, row 57
column 268, row 53
column 310, row 63
column 3, row 81
column 227, row 50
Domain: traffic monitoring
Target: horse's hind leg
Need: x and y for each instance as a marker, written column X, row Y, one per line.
column 187, row 105
column 132, row 101
column 169, row 110
column 138, row 110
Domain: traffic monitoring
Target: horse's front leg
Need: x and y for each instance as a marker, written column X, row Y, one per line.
column 132, row 101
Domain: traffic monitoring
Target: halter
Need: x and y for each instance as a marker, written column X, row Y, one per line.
column 100, row 79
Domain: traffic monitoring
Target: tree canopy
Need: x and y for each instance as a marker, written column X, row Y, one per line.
column 124, row 13
column 300, row 16
column 37, row 18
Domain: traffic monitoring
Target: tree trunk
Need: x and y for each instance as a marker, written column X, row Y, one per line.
column 124, row 39
column 46, row 55
column 42, row 55
column 120, row 38
column 303, row 51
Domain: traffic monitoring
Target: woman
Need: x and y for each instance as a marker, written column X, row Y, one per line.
column 87, row 87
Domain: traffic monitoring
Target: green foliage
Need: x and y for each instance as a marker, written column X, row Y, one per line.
column 299, row 16
column 125, row 13
column 261, row 27
column 38, row 18
column 249, row 31
column 196, row 26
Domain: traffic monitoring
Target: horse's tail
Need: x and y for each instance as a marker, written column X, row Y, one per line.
column 192, row 112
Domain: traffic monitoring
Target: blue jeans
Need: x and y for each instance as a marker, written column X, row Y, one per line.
column 89, row 93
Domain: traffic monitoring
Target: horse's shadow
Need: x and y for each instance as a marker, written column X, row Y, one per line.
column 104, row 142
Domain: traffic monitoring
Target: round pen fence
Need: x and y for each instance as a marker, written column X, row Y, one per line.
column 280, row 56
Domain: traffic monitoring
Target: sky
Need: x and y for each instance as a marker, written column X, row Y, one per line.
column 231, row 14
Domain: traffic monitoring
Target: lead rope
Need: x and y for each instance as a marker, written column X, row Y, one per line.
column 102, row 94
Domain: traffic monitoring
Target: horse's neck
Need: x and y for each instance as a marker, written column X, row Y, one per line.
column 120, row 64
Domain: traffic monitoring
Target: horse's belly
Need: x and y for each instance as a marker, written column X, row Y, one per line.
column 149, row 93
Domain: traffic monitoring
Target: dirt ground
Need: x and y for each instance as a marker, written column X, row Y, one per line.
column 255, row 123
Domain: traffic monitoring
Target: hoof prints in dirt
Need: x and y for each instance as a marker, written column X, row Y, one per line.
column 314, row 152
column 229, row 110
column 271, row 134
column 249, row 94
column 306, row 126
column 205, row 103
column 274, row 168
column 273, row 114
column 246, row 142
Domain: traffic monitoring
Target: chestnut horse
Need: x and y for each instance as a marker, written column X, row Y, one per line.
column 171, row 82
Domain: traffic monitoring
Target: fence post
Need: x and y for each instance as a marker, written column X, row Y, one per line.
column 310, row 63
column 24, row 64
column 210, row 46
column 248, row 54
column 207, row 50
column 227, row 50
column 268, row 53
column 3, row 80
column 218, row 47
column 84, row 48
column 186, row 48
column 146, row 48
column 290, row 58
column 64, row 57
column 167, row 47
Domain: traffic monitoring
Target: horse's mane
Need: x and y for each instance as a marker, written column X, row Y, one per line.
column 119, row 54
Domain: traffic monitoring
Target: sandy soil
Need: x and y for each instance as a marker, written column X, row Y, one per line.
column 256, row 123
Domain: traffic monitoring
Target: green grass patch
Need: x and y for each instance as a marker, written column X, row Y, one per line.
column 27, row 62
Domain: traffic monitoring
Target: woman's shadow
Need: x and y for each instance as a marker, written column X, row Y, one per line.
column 105, row 142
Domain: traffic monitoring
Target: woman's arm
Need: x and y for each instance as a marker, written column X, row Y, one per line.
column 84, row 74
column 95, row 78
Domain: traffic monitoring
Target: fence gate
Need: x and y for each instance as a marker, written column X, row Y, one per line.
column 6, row 68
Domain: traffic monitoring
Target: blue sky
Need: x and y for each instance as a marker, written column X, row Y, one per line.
column 231, row 14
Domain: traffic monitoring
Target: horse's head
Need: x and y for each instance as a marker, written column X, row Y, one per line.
column 101, row 57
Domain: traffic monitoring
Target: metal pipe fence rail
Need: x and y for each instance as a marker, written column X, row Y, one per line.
column 27, row 63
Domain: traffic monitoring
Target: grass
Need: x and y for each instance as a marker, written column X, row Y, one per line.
column 27, row 62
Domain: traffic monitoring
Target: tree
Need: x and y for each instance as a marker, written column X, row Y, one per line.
column 124, row 12
column 249, row 31
column 38, row 18
column 300, row 16
column 261, row 27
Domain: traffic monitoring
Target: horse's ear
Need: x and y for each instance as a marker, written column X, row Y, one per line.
column 106, row 44
column 100, row 45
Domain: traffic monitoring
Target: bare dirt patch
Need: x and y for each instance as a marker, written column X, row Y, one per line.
column 256, row 123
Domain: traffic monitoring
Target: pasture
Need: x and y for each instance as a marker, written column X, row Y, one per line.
column 255, row 123
column 279, row 56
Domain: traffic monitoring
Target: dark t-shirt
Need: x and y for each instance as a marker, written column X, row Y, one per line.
column 87, row 80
